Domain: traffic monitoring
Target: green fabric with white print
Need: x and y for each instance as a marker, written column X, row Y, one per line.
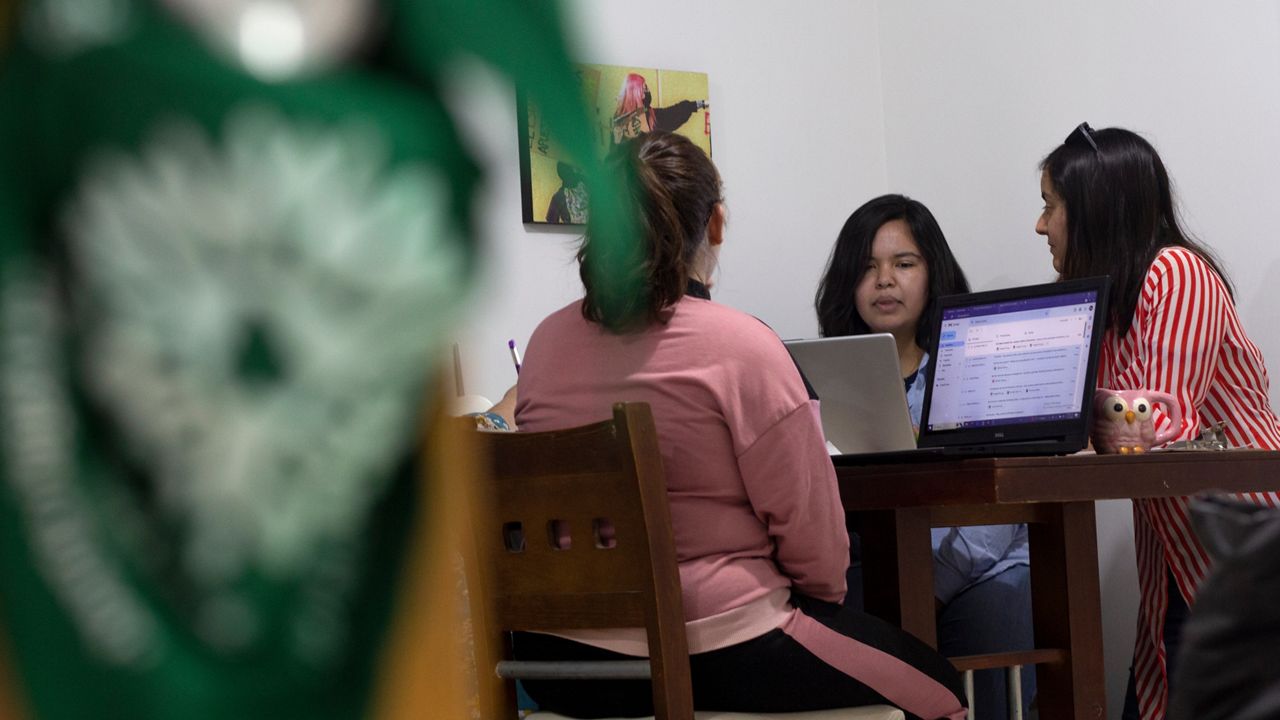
column 222, row 284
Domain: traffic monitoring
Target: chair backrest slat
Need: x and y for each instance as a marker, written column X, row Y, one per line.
column 566, row 612
column 576, row 534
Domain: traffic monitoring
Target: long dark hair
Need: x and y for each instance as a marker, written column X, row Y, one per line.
column 1120, row 213
column 672, row 188
column 837, row 311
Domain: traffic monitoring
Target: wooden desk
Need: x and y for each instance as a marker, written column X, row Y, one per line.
column 895, row 505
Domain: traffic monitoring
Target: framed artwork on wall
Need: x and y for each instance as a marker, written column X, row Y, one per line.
column 622, row 102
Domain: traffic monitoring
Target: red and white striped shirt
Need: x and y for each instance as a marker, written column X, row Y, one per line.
column 1186, row 340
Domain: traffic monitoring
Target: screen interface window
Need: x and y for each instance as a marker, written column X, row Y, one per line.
column 1010, row 362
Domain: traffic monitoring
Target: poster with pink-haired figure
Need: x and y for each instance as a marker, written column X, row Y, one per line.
column 623, row 102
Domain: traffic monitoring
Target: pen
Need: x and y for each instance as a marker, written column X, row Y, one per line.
column 515, row 354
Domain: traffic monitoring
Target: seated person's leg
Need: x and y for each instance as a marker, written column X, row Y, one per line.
column 992, row 616
column 828, row 656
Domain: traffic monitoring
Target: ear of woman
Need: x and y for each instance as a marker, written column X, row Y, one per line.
column 704, row 265
column 716, row 223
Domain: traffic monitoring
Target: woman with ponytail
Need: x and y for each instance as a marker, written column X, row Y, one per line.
column 754, row 507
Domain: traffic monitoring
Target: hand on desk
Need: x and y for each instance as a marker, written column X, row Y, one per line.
column 506, row 407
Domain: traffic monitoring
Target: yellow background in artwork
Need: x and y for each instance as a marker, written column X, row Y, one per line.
column 601, row 84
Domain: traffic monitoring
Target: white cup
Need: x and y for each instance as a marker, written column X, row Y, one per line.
column 467, row 404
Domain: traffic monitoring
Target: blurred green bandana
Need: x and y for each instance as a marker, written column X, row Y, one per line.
column 234, row 235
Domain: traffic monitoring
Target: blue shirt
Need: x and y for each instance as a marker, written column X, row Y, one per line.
column 966, row 556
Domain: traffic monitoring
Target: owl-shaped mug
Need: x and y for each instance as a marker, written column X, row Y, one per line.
column 1123, row 420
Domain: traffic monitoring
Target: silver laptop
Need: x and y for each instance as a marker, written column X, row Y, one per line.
column 861, row 394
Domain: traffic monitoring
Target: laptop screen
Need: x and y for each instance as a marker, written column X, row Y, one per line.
column 1016, row 357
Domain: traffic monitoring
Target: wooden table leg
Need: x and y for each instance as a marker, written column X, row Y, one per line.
column 897, row 570
column 1067, row 610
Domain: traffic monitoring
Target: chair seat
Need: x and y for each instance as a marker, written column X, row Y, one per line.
column 867, row 712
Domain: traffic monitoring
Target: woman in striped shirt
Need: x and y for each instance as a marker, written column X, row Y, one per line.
column 1172, row 327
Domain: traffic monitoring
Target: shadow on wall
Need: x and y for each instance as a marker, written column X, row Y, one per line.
column 1257, row 305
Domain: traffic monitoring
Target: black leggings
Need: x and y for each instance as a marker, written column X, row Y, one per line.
column 832, row 657
column 1175, row 617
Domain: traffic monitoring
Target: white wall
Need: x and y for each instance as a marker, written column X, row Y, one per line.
column 977, row 93
column 797, row 133
column 974, row 98
column 819, row 106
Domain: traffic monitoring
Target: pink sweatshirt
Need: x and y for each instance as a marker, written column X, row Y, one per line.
column 753, row 497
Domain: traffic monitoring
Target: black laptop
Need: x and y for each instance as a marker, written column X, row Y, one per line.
column 1012, row 372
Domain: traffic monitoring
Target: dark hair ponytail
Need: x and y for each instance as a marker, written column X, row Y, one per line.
column 672, row 189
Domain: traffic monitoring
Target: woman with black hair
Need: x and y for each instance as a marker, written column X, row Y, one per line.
column 755, row 511
column 921, row 256
column 889, row 266
column 1173, row 327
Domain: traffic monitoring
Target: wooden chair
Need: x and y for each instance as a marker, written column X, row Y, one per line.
column 606, row 475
